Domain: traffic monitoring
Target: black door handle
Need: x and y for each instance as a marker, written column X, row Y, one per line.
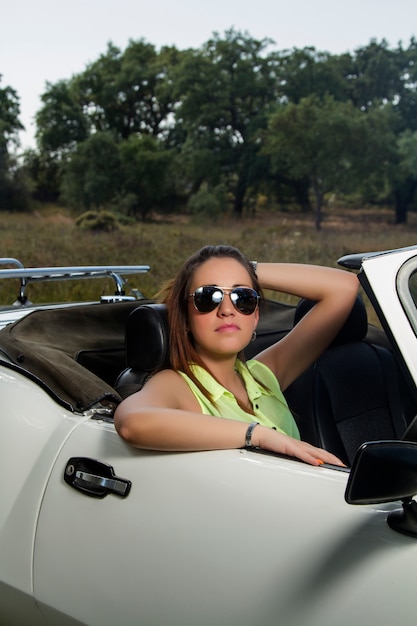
column 95, row 478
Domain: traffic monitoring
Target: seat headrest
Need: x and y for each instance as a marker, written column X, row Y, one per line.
column 355, row 327
column 147, row 338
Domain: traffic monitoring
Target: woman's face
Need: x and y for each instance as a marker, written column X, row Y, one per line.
column 224, row 331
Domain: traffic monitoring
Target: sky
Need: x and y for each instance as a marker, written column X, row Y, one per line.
column 49, row 40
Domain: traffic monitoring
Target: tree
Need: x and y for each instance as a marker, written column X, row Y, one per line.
column 307, row 72
column 331, row 143
column 375, row 75
column 208, row 109
column 44, row 172
column 406, row 103
column 120, row 95
column 225, row 90
column 146, row 175
column 12, row 186
column 404, row 175
column 128, row 92
column 61, row 125
column 61, row 122
column 92, row 174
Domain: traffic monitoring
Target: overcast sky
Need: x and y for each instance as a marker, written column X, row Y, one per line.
column 49, row 40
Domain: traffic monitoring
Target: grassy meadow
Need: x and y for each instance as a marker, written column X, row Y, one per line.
column 49, row 237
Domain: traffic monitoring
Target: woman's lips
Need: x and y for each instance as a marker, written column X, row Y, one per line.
column 225, row 328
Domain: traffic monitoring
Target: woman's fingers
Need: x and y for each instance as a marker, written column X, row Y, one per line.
column 278, row 442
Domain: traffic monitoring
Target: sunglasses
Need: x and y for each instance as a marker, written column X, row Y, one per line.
column 208, row 297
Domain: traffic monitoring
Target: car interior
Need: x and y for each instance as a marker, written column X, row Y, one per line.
column 352, row 394
column 92, row 356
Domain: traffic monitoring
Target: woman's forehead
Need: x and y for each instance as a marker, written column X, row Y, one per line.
column 221, row 271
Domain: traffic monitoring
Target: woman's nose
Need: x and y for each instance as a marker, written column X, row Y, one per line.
column 226, row 306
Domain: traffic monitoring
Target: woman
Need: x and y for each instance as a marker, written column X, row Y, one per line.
column 208, row 398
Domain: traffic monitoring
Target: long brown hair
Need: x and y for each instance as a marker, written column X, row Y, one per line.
column 175, row 295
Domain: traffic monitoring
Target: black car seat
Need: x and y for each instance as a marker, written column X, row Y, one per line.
column 350, row 394
column 147, row 347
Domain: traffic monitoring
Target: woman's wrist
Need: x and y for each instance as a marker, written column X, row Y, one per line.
column 248, row 437
column 257, row 436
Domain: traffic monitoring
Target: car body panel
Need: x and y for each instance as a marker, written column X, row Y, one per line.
column 207, row 539
column 36, row 429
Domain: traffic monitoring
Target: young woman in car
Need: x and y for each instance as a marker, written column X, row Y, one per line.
column 213, row 399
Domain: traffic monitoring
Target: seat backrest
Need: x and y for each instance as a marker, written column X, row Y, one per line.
column 350, row 394
column 147, row 347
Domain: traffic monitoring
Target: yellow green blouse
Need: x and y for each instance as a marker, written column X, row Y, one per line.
column 268, row 402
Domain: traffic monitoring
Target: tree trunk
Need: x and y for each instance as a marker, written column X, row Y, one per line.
column 318, row 193
column 238, row 205
column 404, row 194
column 400, row 210
column 240, row 193
column 301, row 189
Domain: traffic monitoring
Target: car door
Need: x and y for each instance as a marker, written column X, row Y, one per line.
column 224, row 537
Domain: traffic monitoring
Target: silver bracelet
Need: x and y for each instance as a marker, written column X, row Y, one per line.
column 254, row 265
column 248, row 438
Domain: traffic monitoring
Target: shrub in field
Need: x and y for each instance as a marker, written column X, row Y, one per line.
column 98, row 221
column 208, row 202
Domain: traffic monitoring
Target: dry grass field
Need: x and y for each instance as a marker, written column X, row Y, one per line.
column 50, row 237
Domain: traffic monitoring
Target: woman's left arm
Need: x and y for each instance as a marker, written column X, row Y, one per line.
column 334, row 291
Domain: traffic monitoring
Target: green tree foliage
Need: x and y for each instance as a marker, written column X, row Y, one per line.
column 9, row 116
column 406, row 104
column 91, row 125
column 128, row 92
column 13, row 184
column 61, row 123
column 328, row 142
column 44, row 171
column 384, row 75
column 308, row 72
column 142, row 127
column 226, row 90
column 375, row 75
column 91, row 175
column 61, row 126
column 146, row 175
column 404, row 175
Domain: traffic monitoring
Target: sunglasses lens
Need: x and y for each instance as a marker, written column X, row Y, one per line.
column 206, row 299
column 245, row 300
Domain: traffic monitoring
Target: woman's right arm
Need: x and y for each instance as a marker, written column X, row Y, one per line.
column 163, row 416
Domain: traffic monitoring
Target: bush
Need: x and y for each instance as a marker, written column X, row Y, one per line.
column 98, row 221
column 208, row 202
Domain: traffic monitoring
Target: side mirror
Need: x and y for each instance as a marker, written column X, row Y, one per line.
column 385, row 471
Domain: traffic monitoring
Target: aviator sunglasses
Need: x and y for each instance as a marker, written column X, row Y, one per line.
column 208, row 297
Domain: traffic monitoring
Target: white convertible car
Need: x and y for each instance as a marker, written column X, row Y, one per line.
column 95, row 532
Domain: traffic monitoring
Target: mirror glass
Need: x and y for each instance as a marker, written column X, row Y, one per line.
column 383, row 471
